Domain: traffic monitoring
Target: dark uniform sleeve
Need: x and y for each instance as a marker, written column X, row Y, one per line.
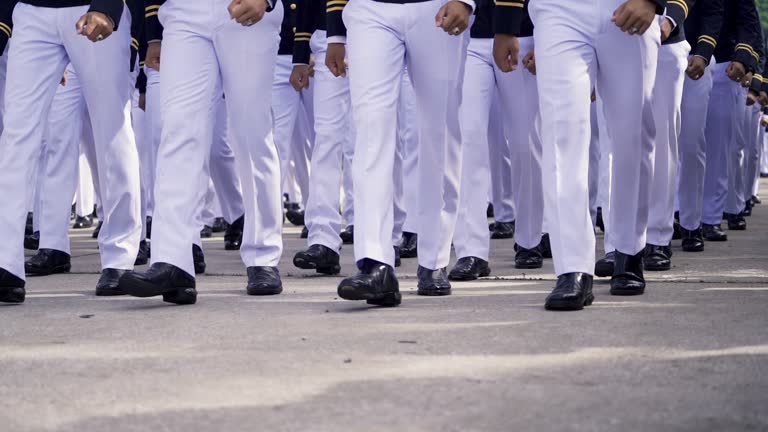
column 661, row 5
column 136, row 7
column 711, row 23
column 141, row 80
column 508, row 16
column 757, row 79
column 6, row 23
column 747, row 33
column 678, row 10
column 334, row 22
column 111, row 8
column 306, row 11
column 154, row 30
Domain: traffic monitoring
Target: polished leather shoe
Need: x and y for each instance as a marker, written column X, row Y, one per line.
column 82, row 222
column 657, row 258
column 32, row 242
column 627, row 279
column 198, row 258
column 206, row 232
column 748, row 208
column 295, row 214
column 304, row 233
column 503, row 230
column 599, row 223
column 572, row 292
column 108, row 284
column 545, row 247
column 713, row 233
column 264, row 281
column 319, row 258
column 161, row 279
column 604, row 266
column 47, row 262
column 528, row 258
column 95, row 233
column 469, row 268
column 233, row 237
column 142, row 258
column 348, row 235
column 219, row 225
column 677, row 232
column 432, row 282
column 398, row 260
column 29, row 228
column 149, row 227
column 489, row 211
column 756, row 200
column 736, row 222
column 693, row 241
column 11, row 288
column 409, row 245
column 375, row 283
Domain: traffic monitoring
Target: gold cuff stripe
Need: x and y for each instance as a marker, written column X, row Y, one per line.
column 337, row 3
column 708, row 39
column 301, row 40
column 6, row 28
column 335, row 9
column 303, row 34
column 682, row 5
column 150, row 8
column 510, row 4
column 151, row 14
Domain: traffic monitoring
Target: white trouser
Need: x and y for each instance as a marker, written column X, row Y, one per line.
column 594, row 163
column 222, row 167
column 754, row 134
column 334, row 143
column 84, row 196
column 764, row 156
column 382, row 38
column 692, row 148
column 501, row 195
column 406, row 157
column 734, row 200
column 153, row 123
column 139, row 124
column 605, row 169
column 3, row 70
column 203, row 52
column 44, row 42
column 724, row 141
column 287, row 106
column 667, row 97
column 577, row 46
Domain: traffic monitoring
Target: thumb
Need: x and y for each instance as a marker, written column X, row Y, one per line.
column 440, row 15
column 81, row 24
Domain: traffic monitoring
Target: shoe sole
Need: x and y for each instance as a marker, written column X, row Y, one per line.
column 264, row 291
column 502, row 236
column 463, row 277
column 199, row 268
column 136, row 288
column 389, row 299
column 603, row 273
column 694, row 249
column 627, row 292
column 309, row 265
column 433, row 292
column 737, row 229
column 568, row 305
column 14, row 295
column 718, row 239
column 65, row 268
column 529, row 266
column 657, row 269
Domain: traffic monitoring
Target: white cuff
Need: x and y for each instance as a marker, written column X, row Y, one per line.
column 337, row 39
column 469, row 3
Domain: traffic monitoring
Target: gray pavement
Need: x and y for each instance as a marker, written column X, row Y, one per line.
column 690, row 355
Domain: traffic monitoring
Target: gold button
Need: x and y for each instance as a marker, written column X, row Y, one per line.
column 293, row 6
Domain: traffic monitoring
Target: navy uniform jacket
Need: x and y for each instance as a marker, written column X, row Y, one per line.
column 310, row 16
column 740, row 34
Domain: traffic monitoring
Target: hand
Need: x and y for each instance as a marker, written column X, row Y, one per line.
column 506, row 48
column 453, row 17
column 763, row 98
column 63, row 81
column 247, row 12
column 152, row 59
column 747, row 81
column 696, row 66
column 666, row 29
column 311, row 66
column 143, row 101
column 95, row 26
column 299, row 77
column 751, row 98
column 736, row 71
column 635, row 16
column 334, row 59
column 529, row 61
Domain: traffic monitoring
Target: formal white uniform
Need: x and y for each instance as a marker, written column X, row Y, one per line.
column 752, row 142
column 406, row 162
column 85, row 195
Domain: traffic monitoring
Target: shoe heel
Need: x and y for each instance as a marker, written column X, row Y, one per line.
column 388, row 300
column 13, row 295
column 182, row 296
column 588, row 301
column 331, row 271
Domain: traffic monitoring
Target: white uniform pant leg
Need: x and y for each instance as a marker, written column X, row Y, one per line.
column 594, row 165
column 471, row 237
column 734, row 201
column 692, row 146
column 624, row 81
column 3, row 72
column 605, row 168
column 667, row 97
column 720, row 141
column 303, row 142
column 59, row 179
column 752, row 150
column 520, row 103
column 223, row 168
column 285, row 109
column 154, row 130
column 764, row 154
column 84, row 196
column 247, row 68
column 138, row 122
column 88, row 147
column 407, row 124
column 107, row 90
column 207, row 214
column 332, row 129
column 501, row 176
column 36, row 61
column 398, row 209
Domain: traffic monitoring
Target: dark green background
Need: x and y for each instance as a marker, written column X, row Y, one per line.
column 762, row 5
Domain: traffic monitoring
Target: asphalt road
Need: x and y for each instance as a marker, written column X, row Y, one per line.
column 690, row 355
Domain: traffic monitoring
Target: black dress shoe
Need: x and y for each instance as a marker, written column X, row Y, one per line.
column 142, row 258
column 657, row 258
column 304, row 233
column 599, row 223
column 264, row 281
column 545, row 247
column 736, row 222
column 233, row 237
column 756, row 200
column 432, row 282
column 748, row 208
column 572, row 292
column 469, row 268
column 82, row 222
column 219, row 225
column 713, row 233
column 528, row 258
column 47, row 262
column 348, row 235
column 295, row 214
column 11, row 288
column 206, row 232
column 198, row 258
column 29, row 228
column 108, row 284
column 409, row 245
column 149, row 227
column 398, row 260
column 32, row 242
column 628, row 277
column 319, row 258
column 677, row 232
column 95, row 233
column 503, row 230
column 693, row 241
column 489, row 211
column 375, row 283
column 604, row 266
column 161, row 279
